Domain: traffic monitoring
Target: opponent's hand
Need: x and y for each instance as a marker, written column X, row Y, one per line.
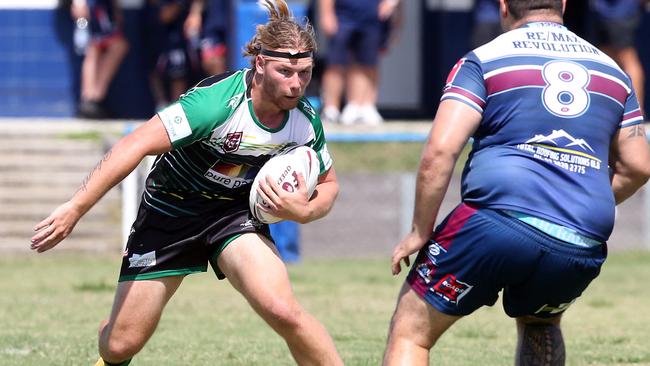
column 292, row 206
column 409, row 245
column 55, row 227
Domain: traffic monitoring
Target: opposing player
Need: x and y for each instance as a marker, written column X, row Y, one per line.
column 194, row 211
column 558, row 141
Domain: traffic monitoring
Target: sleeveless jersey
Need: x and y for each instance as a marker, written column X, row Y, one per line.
column 551, row 105
column 219, row 146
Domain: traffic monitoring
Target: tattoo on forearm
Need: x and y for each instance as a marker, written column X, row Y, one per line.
column 636, row 131
column 98, row 167
column 541, row 345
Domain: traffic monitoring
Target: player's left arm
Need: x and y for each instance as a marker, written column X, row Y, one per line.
column 296, row 206
column 453, row 125
column 322, row 200
column 629, row 159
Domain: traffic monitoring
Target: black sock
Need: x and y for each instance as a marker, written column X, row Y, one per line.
column 123, row 363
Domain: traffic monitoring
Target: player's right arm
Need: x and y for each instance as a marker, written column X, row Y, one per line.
column 453, row 125
column 149, row 139
column 630, row 161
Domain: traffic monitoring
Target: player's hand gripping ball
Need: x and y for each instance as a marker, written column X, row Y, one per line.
column 284, row 170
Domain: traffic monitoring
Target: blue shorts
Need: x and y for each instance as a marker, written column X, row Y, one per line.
column 356, row 42
column 475, row 253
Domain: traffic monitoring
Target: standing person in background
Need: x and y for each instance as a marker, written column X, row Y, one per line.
column 104, row 54
column 558, row 141
column 487, row 23
column 209, row 21
column 194, row 211
column 358, row 29
column 614, row 25
column 174, row 64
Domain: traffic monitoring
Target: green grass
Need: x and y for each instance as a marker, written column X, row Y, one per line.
column 51, row 305
column 355, row 157
column 95, row 136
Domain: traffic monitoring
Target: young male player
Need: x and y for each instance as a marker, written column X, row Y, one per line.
column 195, row 209
column 558, row 141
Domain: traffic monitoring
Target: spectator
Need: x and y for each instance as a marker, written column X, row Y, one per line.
column 358, row 29
column 614, row 31
column 174, row 66
column 210, row 23
column 487, row 24
column 104, row 54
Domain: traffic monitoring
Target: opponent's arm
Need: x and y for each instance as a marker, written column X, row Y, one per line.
column 630, row 161
column 149, row 139
column 454, row 123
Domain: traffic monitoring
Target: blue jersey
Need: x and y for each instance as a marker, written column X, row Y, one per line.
column 551, row 105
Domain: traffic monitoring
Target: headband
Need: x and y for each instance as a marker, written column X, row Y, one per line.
column 288, row 55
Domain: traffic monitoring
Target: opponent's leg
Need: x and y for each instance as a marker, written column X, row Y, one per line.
column 539, row 342
column 136, row 311
column 308, row 341
column 414, row 329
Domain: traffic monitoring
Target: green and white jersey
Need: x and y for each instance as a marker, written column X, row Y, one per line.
column 219, row 146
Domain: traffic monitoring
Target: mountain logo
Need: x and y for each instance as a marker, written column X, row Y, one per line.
column 561, row 136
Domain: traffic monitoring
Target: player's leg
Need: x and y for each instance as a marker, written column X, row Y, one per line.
column 89, row 71
column 213, row 56
column 363, row 75
column 109, row 63
column 136, row 311
column 334, row 76
column 332, row 92
column 539, row 341
column 308, row 340
column 414, row 329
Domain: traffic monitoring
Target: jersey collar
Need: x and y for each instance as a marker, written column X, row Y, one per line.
column 543, row 25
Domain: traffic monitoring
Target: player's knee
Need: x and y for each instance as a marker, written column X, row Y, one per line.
column 117, row 347
column 283, row 314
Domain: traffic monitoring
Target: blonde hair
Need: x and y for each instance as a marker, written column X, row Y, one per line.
column 281, row 31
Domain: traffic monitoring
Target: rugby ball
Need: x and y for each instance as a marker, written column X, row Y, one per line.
column 284, row 170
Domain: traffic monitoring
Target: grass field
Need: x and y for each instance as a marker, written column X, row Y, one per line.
column 51, row 305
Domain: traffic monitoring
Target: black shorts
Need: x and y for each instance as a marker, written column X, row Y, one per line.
column 162, row 246
column 617, row 34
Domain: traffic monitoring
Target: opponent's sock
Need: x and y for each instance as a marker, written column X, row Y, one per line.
column 101, row 362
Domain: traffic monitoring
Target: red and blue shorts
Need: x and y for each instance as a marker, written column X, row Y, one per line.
column 477, row 252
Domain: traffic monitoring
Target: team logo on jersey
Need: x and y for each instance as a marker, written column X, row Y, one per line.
column 232, row 142
column 234, row 101
column 450, row 289
column 308, row 109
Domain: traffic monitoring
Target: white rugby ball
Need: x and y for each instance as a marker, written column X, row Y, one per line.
column 284, row 170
